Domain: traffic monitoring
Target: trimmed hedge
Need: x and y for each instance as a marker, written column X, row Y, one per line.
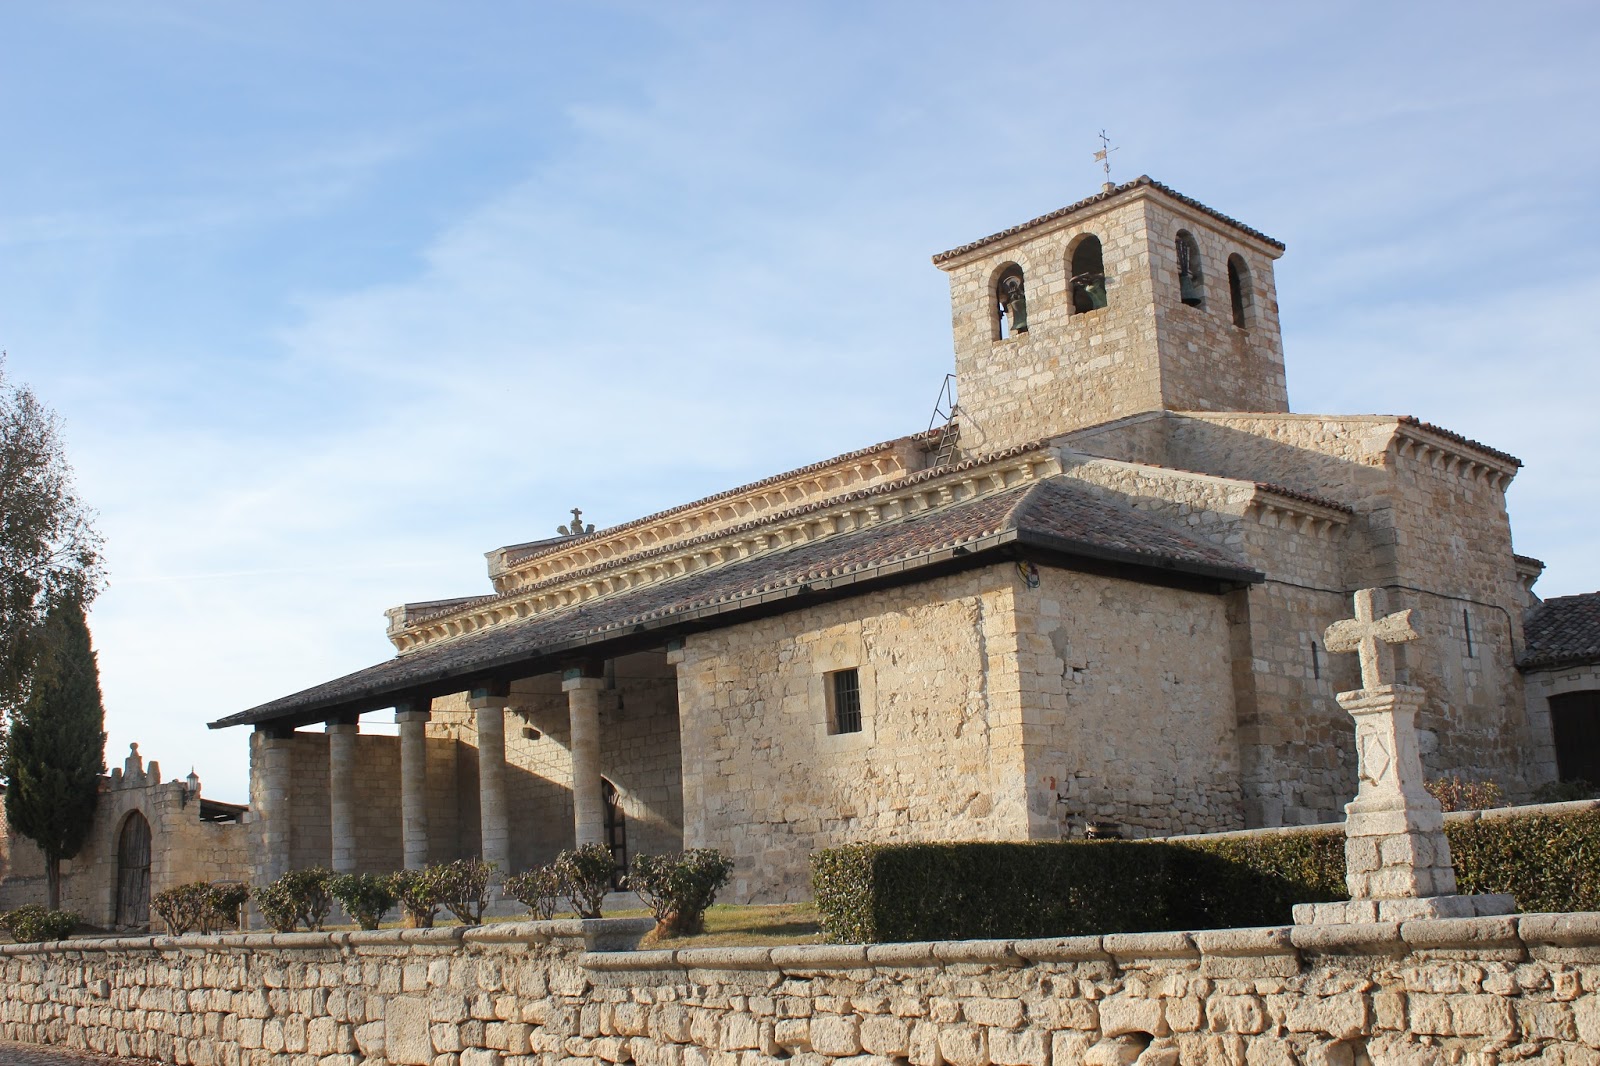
column 877, row 893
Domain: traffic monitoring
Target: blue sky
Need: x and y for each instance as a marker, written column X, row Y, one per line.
column 335, row 298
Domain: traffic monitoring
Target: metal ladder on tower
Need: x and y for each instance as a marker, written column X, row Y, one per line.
column 945, row 409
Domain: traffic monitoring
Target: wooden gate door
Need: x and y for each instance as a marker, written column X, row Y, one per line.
column 616, row 830
column 133, row 872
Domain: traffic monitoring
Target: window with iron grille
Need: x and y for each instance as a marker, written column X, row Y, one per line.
column 846, row 701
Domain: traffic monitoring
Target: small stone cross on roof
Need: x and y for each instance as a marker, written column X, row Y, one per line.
column 1370, row 633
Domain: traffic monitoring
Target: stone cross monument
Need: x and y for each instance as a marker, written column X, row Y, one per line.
column 1397, row 860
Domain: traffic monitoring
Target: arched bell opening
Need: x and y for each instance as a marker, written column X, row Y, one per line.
column 1240, row 294
column 1191, row 278
column 1087, row 271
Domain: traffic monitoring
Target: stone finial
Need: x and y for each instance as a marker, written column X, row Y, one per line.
column 1370, row 633
column 576, row 526
column 133, row 766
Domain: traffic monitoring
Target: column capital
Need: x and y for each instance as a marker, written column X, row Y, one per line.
column 411, row 713
column 337, row 727
column 582, row 684
column 487, row 703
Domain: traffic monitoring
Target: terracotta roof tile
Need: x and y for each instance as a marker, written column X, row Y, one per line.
column 1450, row 434
column 1143, row 181
column 1054, row 515
column 1562, row 630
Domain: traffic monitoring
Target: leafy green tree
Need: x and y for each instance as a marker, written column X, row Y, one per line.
column 57, row 743
column 49, row 550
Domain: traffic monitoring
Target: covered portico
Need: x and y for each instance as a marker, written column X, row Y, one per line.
column 504, row 767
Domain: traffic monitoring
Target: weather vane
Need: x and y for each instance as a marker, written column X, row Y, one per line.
column 1103, row 156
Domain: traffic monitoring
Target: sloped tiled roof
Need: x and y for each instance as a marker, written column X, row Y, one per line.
column 1562, row 630
column 1055, row 516
column 1143, row 181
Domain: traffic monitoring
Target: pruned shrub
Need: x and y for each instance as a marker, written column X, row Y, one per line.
column 1565, row 791
column 224, row 900
column 181, row 907
column 299, row 897
column 1456, row 793
column 866, row 893
column 679, row 888
column 200, row 905
column 586, row 875
column 419, row 894
column 464, row 888
column 538, row 889
column 365, row 897
column 31, row 924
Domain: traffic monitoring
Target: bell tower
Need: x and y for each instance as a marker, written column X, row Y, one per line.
column 1136, row 299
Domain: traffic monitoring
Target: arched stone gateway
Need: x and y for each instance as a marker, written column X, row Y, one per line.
column 616, row 830
column 133, row 872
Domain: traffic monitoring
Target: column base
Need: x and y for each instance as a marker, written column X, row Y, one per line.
column 1356, row 911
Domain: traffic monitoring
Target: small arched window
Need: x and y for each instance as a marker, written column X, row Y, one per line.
column 1011, row 302
column 1088, row 275
column 1239, row 292
column 1191, row 282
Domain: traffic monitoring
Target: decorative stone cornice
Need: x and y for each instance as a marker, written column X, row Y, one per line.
column 923, row 491
column 1283, row 508
column 1454, row 454
column 527, row 565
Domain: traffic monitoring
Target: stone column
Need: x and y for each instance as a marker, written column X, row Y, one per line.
column 413, row 720
column 583, row 705
column 494, row 830
column 342, row 794
column 274, row 772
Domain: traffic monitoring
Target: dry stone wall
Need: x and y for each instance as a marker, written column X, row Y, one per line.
column 1427, row 993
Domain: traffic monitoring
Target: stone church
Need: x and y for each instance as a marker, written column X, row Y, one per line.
column 1093, row 594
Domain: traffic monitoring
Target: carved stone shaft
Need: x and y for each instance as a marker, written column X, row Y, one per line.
column 588, row 810
column 342, row 795
column 1395, row 847
column 414, row 786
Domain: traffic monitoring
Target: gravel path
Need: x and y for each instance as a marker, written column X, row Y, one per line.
column 34, row 1055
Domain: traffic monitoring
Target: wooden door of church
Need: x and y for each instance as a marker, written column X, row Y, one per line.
column 133, row 872
column 616, row 831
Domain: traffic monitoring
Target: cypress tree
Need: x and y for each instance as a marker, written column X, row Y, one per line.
column 56, row 749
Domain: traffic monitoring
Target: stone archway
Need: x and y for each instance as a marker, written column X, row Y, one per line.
column 133, row 872
column 616, row 830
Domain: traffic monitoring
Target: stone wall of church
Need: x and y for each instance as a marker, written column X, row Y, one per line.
column 990, row 710
column 939, row 754
column 1128, row 716
column 182, row 847
column 1296, row 754
column 1436, row 536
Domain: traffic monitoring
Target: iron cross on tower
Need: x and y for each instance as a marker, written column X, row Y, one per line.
column 1103, row 156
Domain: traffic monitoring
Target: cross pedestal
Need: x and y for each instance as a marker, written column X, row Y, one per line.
column 1397, row 859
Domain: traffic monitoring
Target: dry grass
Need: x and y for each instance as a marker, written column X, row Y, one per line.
column 769, row 926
